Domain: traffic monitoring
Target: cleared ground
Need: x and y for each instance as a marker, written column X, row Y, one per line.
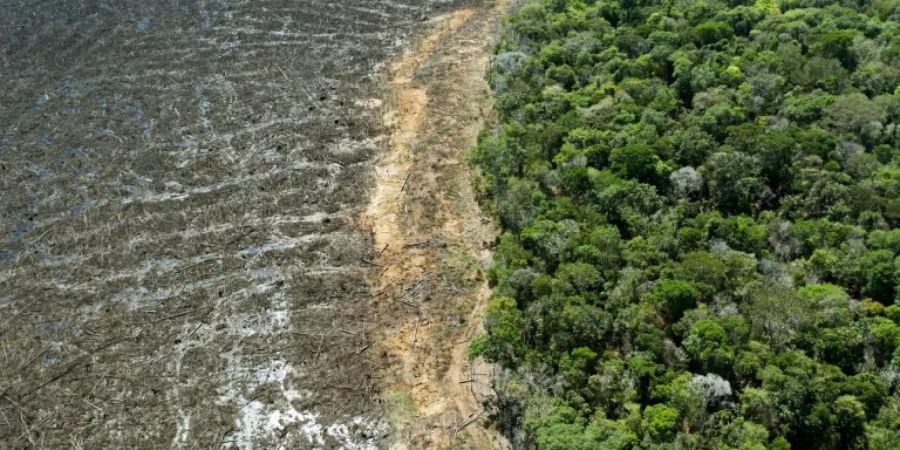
column 180, row 262
column 431, row 238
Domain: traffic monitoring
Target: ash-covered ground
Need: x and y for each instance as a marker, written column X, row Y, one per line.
column 180, row 263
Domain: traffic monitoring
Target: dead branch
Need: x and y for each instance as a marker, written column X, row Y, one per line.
column 370, row 262
column 404, row 182
column 467, row 423
column 415, row 335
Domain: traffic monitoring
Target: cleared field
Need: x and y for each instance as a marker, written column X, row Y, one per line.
column 180, row 263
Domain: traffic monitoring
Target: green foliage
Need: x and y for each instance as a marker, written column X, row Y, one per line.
column 700, row 204
column 503, row 338
column 806, row 109
column 637, row 161
column 878, row 271
column 712, row 32
column 661, row 422
column 841, row 346
column 708, row 344
column 675, row 297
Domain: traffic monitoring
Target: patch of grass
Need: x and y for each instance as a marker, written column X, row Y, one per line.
column 460, row 268
column 400, row 406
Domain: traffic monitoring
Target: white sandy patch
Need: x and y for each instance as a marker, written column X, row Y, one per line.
column 260, row 421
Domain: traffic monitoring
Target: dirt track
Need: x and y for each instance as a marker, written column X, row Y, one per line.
column 431, row 239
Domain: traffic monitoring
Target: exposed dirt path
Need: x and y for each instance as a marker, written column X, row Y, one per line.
column 431, row 239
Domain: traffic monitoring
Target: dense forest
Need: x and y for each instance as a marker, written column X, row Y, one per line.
column 700, row 203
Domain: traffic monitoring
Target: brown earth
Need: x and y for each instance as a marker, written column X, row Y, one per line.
column 431, row 240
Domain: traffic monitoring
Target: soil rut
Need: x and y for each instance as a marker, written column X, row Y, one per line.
column 431, row 239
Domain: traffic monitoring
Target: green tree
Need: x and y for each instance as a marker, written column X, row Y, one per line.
column 708, row 344
column 675, row 297
column 850, row 423
column 806, row 109
column 842, row 346
column 502, row 340
column 712, row 32
column 637, row 161
column 734, row 181
column 852, row 114
column 878, row 270
column 661, row 422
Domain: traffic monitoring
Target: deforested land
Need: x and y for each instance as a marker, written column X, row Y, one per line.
column 185, row 258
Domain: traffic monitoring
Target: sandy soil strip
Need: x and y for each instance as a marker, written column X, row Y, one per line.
column 431, row 239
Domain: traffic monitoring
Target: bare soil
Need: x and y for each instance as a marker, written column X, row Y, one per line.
column 431, row 240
